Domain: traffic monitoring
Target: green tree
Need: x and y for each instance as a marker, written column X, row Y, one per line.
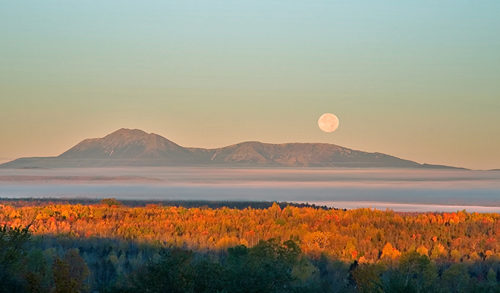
column 367, row 277
column 266, row 267
column 13, row 252
column 415, row 273
column 37, row 274
column 172, row 273
column 111, row 202
column 456, row 278
column 70, row 273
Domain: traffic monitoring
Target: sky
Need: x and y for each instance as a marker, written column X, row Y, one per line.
column 414, row 79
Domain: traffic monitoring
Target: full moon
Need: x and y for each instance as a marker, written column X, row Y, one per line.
column 328, row 122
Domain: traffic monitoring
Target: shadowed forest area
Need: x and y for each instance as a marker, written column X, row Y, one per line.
column 111, row 247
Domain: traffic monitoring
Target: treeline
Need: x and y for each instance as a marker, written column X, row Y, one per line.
column 67, row 264
column 16, row 202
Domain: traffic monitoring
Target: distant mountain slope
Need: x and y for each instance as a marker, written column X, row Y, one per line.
column 133, row 147
column 304, row 155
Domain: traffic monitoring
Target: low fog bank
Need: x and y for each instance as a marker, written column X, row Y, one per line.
column 405, row 207
column 397, row 189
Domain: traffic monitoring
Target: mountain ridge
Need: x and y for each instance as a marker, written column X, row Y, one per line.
column 134, row 147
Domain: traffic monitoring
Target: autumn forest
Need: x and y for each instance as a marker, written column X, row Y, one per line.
column 109, row 246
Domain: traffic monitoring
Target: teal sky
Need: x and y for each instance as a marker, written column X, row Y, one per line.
column 415, row 79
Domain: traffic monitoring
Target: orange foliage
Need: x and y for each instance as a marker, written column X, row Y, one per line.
column 364, row 234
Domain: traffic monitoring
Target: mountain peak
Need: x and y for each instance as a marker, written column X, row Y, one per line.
column 128, row 130
column 122, row 144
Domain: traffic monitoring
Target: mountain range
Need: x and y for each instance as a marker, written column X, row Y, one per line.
column 133, row 147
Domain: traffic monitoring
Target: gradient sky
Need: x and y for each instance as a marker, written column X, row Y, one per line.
column 414, row 79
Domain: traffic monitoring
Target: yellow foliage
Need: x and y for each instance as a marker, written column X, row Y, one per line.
column 423, row 250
